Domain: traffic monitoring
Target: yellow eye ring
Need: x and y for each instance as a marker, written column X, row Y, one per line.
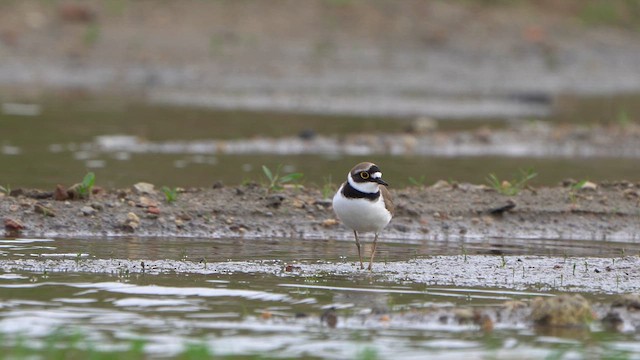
column 364, row 175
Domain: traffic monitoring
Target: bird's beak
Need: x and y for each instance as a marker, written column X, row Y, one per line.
column 381, row 182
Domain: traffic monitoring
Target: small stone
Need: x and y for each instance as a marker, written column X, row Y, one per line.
column 630, row 301
column 613, row 321
column 88, row 211
column 60, row 194
column 218, row 185
column 290, row 268
column 484, row 321
column 323, row 203
column 441, row 185
column 74, row 192
column 143, row 188
column 97, row 206
column 184, row 216
column 144, row 201
column 13, row 224
column 512, row 305
column 76, row 13
column 330, row 317
column 179, row 223
column 589, row 186
column 561, row 311
column 14, row 207
column 631, row 194
column 275, row 200
column 266, row 315
column 44, row 210
column 297, row 203
column 133, row 217
column 132, row 222
column 483, row 134
column 330, row 223
column 153, row 210
column 463, row 316
column 501, row 209
column 307, row 134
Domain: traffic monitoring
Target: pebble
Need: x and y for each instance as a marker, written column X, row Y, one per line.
column 629, row 301
column 13, row 224
column 144, row 201
column 440, row 185
column 97, row 206
column 153, row 210
column 88, row 211
column 631, row 194
column 60, row 194
column 275, row 200
column 561, row 311
column 132, row 222
column 330, row 223
column 589, row 186
column 330, row 317
column 218, row 185
column 44, row 210
column 142, row 188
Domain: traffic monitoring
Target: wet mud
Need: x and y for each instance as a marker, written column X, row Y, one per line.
column 603, row 212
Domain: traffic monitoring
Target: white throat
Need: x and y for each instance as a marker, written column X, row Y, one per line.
column 365, row 187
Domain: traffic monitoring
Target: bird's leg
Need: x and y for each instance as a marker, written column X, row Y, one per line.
column 373, row 252
column 358, row 246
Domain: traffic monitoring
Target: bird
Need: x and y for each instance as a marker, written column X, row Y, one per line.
column 364, row 204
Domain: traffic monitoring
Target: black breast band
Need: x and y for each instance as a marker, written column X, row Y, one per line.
column 352, row 193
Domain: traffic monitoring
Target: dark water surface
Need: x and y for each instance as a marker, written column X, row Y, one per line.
column 54, row 141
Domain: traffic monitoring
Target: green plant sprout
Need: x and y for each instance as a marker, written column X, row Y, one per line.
column 328, row 188
column 417, row 182
column 573, row 190
column 276, row 181
column 86, row 186
column 513, row 187
column 170, row 195
column 5, row 189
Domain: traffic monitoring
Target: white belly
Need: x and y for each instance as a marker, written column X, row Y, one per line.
column 361, row 215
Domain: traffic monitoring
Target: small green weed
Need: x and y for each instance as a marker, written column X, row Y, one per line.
column 513, row 187
column 5, row 189
column 170, row 195
column 276, row 181
column 623, row 119
column 573, row 190
column 92, row 34
column 367, row 354
column 417, row 182
column 196, row 351
column 328, row 188
column 86, row 186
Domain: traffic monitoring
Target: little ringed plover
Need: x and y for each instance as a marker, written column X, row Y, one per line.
column 364, row 204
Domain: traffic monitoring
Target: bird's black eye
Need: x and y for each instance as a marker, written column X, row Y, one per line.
column 364, row 175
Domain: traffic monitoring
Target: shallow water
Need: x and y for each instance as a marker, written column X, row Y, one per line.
column 258, row 307
column 57, row 141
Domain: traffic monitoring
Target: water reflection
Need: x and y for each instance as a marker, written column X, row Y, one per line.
column 270, row 312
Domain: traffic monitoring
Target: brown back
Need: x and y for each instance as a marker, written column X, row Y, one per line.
column 388, row 200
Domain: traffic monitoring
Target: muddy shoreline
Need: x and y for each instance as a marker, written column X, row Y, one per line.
column 406, row 59
column 604, row 212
